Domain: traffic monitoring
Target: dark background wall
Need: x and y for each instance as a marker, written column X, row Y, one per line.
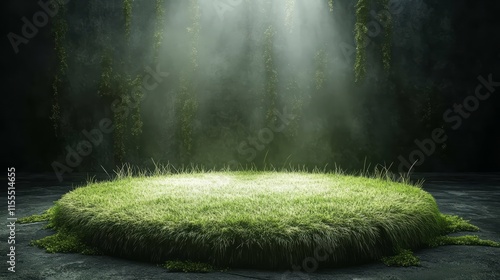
column 445, row 46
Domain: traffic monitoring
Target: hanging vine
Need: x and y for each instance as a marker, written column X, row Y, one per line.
column 188, row 107
column 110, row 86
column 106, row 80
column 186, row 102
column 59, row 30
column 296, row 101
column 271, row 94
column 127, row 14
column 130, row 91
column 387, row 44
column 320, row 76
column 360, row 30
column 117, row 84
column 330, row 4
column 127, row 90
column 194, row 31
column 134, row 87
column 159, row 23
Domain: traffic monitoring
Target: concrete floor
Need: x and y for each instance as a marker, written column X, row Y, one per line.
column 472, row 196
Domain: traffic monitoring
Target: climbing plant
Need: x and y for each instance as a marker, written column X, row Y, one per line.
column 59, row 30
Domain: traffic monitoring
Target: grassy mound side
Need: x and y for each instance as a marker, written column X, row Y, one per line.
column 250, row 219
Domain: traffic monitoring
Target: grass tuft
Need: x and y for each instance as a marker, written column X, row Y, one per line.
column 404, row 258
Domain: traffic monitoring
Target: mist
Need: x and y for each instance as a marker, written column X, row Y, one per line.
column 248, row 83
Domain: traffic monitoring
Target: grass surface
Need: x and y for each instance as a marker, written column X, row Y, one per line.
column 250, row 219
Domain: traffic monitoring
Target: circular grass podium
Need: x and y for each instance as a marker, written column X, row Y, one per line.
column 250, row 219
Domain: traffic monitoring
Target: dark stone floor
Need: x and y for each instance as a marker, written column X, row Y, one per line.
column 472, row 196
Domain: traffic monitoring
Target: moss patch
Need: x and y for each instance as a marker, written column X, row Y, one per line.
column 187, row 266
column 403, row 257
column 62, row 242
column 35, row 218
column 472, row 240
column 452, row 224
column 457, row 224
